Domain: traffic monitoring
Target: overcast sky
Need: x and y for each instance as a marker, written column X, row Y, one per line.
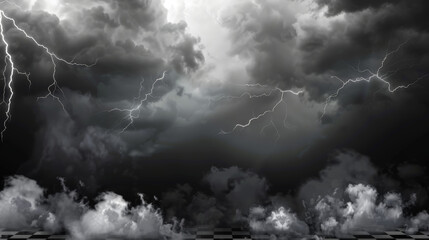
column 178, row 87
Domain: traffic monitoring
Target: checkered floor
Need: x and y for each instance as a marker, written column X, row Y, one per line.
column 239, row 233
column 236, row 233
column 30, row 235
column 398, row 234
column 221, row 233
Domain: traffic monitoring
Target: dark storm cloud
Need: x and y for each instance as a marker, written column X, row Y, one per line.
column 362, row 34
column 280, row 44
column 294, row 50
column 71, row 147
column 365, row 117
column 264, row 33
column 349, row 168
column 144, row 48
column 233, row 192
column 336, row 7
column 241, row 189
column 196, row 207
column 136, row 13
column 129, row 41
column 286, row 46
column 361, row 38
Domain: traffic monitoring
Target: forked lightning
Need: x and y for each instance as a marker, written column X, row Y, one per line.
column 377, row 76
column 134, row 112
column 10, row 69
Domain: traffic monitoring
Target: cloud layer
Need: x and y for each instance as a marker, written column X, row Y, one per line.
column 235, row 196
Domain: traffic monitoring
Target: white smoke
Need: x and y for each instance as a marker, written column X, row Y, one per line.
column 113, row 218
column 419, row 222
column 20, row 205
column 280, row 220
column 349, row 207
column 359, row 210
column 342, row 200
column 362, row 212
column 24, row 205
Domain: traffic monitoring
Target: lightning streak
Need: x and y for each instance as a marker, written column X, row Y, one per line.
column 377, row 76
column 9, row 61
column 245, row 94
column 281, row 99
column 134, row 112
column 271, row 123
column 10, row 69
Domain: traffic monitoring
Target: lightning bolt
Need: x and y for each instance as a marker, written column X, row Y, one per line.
column 11, row 69
column 245, row 94
column 282, row 94
column 377, row 76
column 134, row 112
column 271, row 123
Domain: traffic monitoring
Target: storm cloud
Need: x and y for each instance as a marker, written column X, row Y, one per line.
column 158, row 95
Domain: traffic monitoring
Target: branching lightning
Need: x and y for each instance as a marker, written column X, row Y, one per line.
column 54, row 91
column 134, row 112
column 270, row 91
column 377, row 76
column 10, row 69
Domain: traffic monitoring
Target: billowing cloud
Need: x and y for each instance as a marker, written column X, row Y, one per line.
column 232, row 193
column 24, row 205
column 241, row 189
column 20, row 204
column 341, row 206
column 361, row 212
column 347, row 168
column 421, row 221
column 280, row 221
column 132, row 44
column 342, row 200
column 112, row 218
